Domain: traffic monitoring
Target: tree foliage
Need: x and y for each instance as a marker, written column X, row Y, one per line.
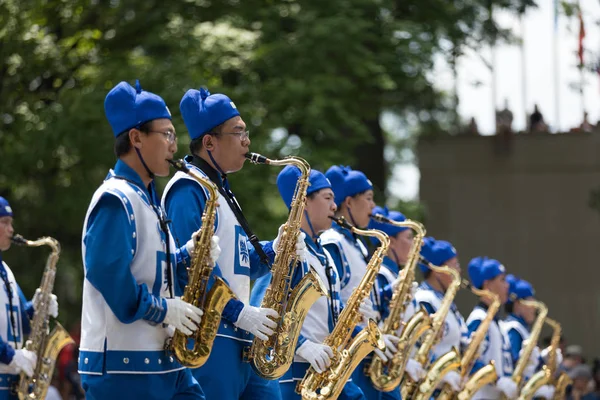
column 311, row 77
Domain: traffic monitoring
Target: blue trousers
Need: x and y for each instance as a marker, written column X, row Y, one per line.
column 7, row 381
column 261, row 389
column 225, row 376
column 363, row 381
column 178, row 385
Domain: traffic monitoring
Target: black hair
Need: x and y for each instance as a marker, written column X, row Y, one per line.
column 123, row 144
column 196, row 144
column 360, row 193
column 509, row 307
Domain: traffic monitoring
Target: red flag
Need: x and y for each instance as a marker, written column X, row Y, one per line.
column 581, row 36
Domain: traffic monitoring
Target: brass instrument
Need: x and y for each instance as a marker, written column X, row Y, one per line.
column 546, row 375
column 45, row 344
column 347, row 353
column 274, row 356
column 195, row 292
column 487, row 374
column 526, row 351
column 410, row 388
column 387, row 376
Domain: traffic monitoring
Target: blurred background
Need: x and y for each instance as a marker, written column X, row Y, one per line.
column 477, row 117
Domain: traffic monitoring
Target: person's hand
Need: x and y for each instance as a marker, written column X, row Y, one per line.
column 415, row 370
column 257, row 321
column 183, row 316
column 52, row 306
column 366, row 310
column 546, row 391
column 24, row 360
column 390, row 348
column 453, row 379
column 215, row 249
column 317, row 354
column 300, row 243
column 507, row 386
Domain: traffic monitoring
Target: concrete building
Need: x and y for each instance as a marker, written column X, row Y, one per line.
column 524, row 202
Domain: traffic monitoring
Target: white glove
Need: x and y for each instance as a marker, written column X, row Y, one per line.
column 415, row 370
column 24, row 360
column 256, row 321
column 183, row 316
column 546, row 391
column 317, row 354
column 367, row 311
column 300, row 244
column 453, row 379
column 390, row 347
column 532, row 363
column 52, row 307
column 215, row 249
column 545, row 354
column 507, row 386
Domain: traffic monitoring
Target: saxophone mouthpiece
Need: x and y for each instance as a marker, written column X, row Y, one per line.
column 257, row 158
column 380, row 218
column 179, row 165
column 341, row 221
column 18, row 239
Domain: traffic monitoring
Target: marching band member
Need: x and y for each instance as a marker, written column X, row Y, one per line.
column 400, row 245
column 517, row 327
column 322, row 316
column 490, row 274
column 354, row 199
column 218, row 147
column 129, row 256
column 430, row 295
column 14, row 323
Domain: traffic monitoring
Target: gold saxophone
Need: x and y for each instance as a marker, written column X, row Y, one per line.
column 195, row 292
column 387, row 376
column 45, row 344
column 526, row 351
column 274, row 356
column 546, row 375
column 451, row 359
column 347, row 353
column 487, row 374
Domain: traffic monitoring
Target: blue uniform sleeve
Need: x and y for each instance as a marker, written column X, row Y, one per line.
column 6, row 352
column 26, row 311
column 516, row 342
column 109, row 242
column 257, row 267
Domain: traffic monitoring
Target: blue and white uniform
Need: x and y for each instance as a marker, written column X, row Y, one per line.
column 496, row 347
column 517, row 331
column 455, row 329
column 316, row 326
column 225, row 375
column 12, row 329
column 127, row 278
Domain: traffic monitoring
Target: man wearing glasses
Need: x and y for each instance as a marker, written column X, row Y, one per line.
column 218, row 147
column 129, row 256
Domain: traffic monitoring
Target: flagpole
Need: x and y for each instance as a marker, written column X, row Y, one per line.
column 556, row 68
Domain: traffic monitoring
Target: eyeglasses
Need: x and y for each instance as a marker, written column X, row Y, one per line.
column 170, row 135
column 243, row 135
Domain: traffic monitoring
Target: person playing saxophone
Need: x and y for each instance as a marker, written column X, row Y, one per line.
column 14, row 321
column 129, row 306
column 219, row 144
column 354, row 200
column 430, row 294
column 490, row 274
column 517, row 327
column 322, row 316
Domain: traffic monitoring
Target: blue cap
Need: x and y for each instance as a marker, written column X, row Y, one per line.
column 5, row 210
column 127, row 107
column 518, row 288
column 288, row 178
column 483, row 269
column 437, row 252
column 202, row 111
column 390, row 229
column 347, row 182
